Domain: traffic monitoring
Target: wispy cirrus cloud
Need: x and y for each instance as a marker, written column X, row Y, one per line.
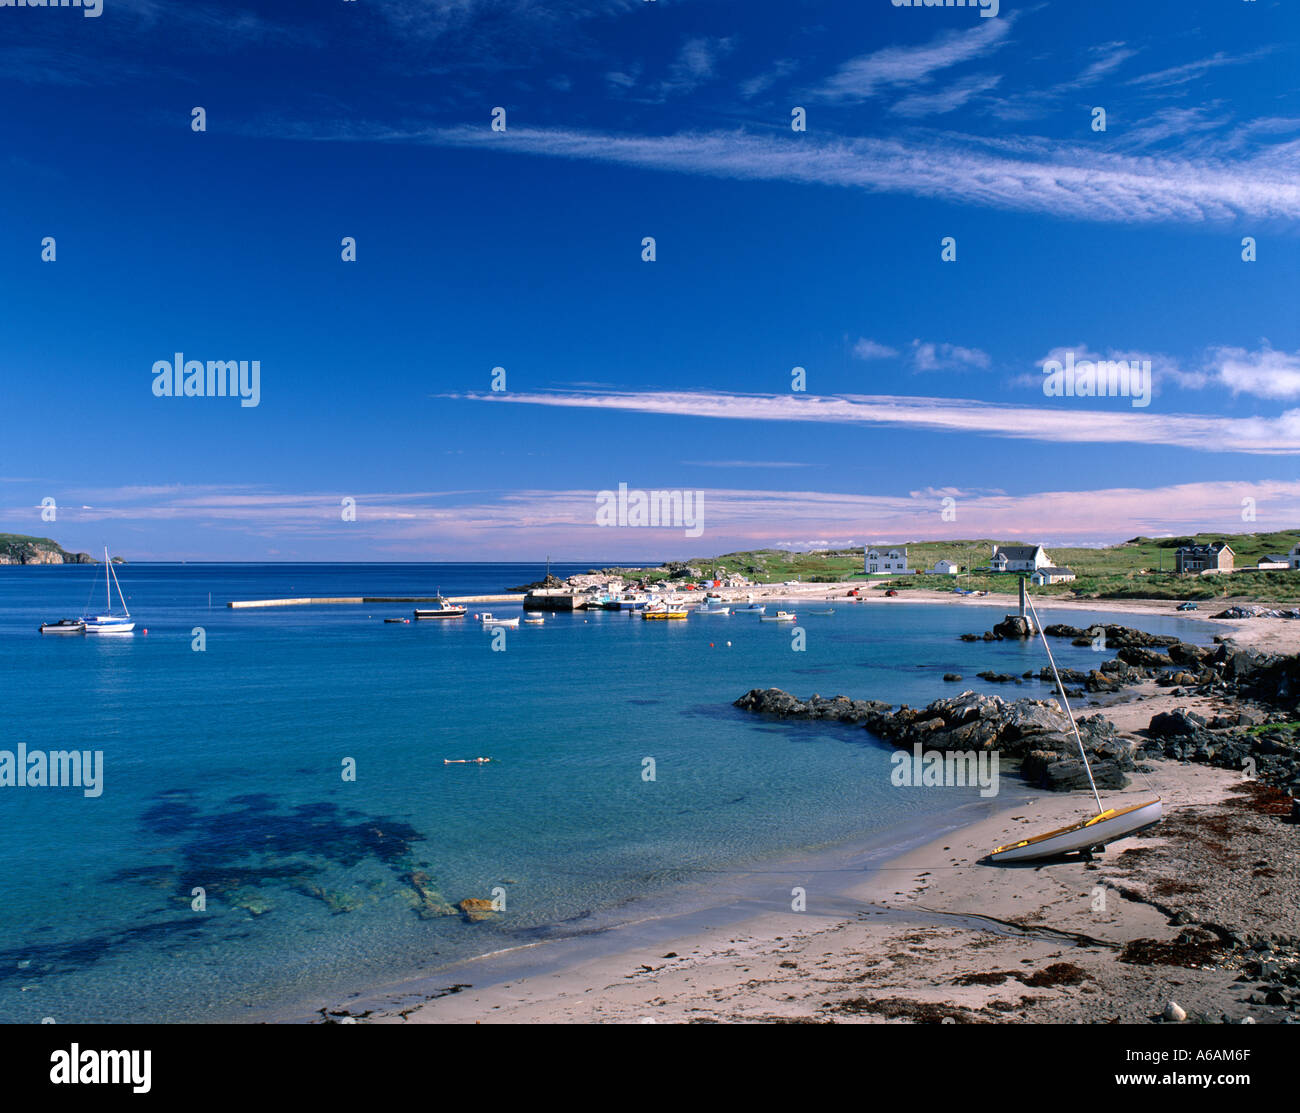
column 882, row 70
column 1192, row 71
column 948, row 99
column 1027, row 174
column 421, row 525
column 1068, row 423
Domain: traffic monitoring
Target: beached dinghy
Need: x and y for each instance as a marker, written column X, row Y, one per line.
column 1106, row 826
column 1109, row 825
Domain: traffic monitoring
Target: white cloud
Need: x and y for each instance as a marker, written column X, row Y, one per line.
column 867, row 76
column 928, row 356
column 869, row 349
column 1067, row 423
column 1026, row 174
column 948, row 99
column 1265, row 374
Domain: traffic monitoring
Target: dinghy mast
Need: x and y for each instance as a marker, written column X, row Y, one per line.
column 1061, row 688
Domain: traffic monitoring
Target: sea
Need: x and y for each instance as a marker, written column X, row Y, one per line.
column 276, row 825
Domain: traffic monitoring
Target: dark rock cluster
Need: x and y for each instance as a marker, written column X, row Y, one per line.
column 1036, row 732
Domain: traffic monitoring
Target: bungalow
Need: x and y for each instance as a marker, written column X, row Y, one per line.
column 1273, row 562
column 943, row 568
column 1050, row 575
column 1204, row 559
column 1019, row 558
column 886, row 562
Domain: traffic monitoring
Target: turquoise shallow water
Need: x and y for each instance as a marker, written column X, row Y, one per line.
column 222, row 770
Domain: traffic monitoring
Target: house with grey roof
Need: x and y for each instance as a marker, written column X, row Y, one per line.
column 1019, row 558
column 1203, row 560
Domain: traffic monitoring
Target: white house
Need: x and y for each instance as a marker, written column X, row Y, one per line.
column 885, row 562
column 1294, row 555
column 943, row 568
column 1019, row 558
column 1274, row 562
column 1050, row 575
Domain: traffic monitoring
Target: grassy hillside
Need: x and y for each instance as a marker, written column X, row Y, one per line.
column 1139, row 568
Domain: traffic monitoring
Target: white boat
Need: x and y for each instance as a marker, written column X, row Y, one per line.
column 440, row 609
column 780, row 616
column 1106, row 826
column 1088, row 834
column 714, row 607
column 751, row 607
column 64, row 626
column 534, row 621
column 110, row 623
column 633, row 601
column 488, row 620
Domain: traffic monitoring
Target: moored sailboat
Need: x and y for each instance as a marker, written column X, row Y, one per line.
column 110, row 623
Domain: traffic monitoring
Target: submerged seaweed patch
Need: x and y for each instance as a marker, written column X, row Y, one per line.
column 236, row 852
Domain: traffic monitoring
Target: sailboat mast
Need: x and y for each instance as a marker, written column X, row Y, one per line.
column 1065, row 703
column 108, row 588
column 125, row 608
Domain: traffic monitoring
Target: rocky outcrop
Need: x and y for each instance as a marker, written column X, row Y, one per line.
column 1271, row 755
column 1035, row 731
column 17, row 548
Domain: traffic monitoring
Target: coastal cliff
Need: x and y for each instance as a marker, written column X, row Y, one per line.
column 18, row 548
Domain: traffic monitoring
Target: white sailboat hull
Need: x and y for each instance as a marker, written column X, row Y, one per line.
column 109, row 626
column 1112, row 824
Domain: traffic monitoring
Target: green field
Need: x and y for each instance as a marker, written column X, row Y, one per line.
column 1141, row 568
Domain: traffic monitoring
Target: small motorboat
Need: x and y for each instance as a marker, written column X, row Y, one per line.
column 488, row 619
column 661, row 611
column 820, row 612
column 406, row 620
column 64, row 626
column 440, row 609
column 780, row 616
column 538, row 621
column 714, row 605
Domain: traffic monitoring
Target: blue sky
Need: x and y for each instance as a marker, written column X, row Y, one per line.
column 523, row 249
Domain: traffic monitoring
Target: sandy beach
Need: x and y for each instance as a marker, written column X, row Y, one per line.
column 934, row 935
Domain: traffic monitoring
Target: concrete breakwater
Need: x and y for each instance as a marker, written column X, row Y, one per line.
column 316, row 601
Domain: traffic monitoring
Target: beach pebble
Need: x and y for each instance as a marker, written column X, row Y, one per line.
column 1174, row 1012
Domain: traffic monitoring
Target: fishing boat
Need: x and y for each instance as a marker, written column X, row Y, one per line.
column 780, row 616
column 633, row 601
column 488, row 619
column 440, row 609
column 661, row 612
column 751, row 607
column 110, row 623
column 714, row 605
column 64, row 626
column 1088, row 834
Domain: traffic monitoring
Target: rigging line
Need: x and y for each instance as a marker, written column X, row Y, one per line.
column 1070, row 713
column 1065, row 702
